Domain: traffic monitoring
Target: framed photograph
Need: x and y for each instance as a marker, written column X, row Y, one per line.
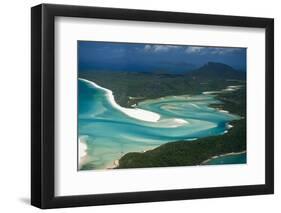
column 140, row 106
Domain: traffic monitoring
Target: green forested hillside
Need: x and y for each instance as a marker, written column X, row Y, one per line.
column 188, row 153
column 210, row 77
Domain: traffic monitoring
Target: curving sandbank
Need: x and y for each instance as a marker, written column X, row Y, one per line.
column 113, row 130
column 136, row 113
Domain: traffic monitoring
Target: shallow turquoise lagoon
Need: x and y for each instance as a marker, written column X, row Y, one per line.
column 108, row 131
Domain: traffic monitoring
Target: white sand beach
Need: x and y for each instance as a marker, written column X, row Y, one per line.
column 82, row 150
column 136, row 113
column 225, row 111
column 227, row 89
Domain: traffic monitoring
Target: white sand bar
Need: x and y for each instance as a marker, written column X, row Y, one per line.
column 136, row 113
column 82, row 152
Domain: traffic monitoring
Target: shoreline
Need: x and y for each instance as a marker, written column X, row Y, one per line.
column 230, row 88
column 82, row 152
column 115, row 163
column 223, row 155
column 144, row 115
column 136, row 113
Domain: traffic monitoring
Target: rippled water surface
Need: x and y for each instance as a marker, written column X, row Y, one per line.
column 108, row 131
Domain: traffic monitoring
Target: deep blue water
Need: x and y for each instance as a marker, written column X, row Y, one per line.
column 228, row 159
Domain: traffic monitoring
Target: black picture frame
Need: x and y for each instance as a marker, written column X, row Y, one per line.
column 43, row 102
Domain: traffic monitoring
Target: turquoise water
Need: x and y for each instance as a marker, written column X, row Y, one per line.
column 110, row 131
column 228, row 159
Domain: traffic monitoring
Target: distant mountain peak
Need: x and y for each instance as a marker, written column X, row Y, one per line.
column 217, row 65
column 216, row 70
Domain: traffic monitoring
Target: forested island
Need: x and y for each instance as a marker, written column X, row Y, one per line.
column 196, row 152
column 220, row 80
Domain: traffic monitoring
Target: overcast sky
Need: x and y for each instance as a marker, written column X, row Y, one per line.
column 150, row 57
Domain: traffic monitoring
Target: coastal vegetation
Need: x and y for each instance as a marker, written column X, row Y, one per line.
column 184, row 153
column 130, row 88
column 149, row 85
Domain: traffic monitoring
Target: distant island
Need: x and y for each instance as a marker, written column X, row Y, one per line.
column 158, row 118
